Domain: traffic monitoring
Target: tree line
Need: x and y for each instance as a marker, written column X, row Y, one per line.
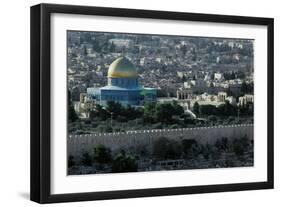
column 101, row 158
column 150, row 113
column 223, row 110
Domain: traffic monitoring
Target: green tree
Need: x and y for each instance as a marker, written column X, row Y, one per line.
column 246, row 109
column 208, row 109
column 233, row 76
column 208, row 151
column 183, row 79
column 72, row 116
column 190, row 148
column 222, row 144
column 99, row 112
column 238, row 149
column 102, row 154
column 196, row 108
column 104, row 128
column 70, row 161
column 178, row 110
column 86, row 159
column 132, row 113
column 247, row 88
column 164, row 112
column 164, row 148
column 244, row 87
column 149, row 112
column 227, row 109
column 114, row 107
column 241, row 145
column 213, row 118
column 124, row 163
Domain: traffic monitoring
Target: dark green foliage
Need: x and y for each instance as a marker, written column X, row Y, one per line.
column 104, row 128
column 163, row 113
column 183, row 79
column 116, row 111
column 70, row 161
column 132, row 113
column 247, row 88
column 190, row 147
column 114, row 107
column 161, row 93
column 86, row 159
column 124, row 163
column 207, row 151
column 102, row 154
column 164, row 148
column 210, row 152
column 247, row 110
column 99, row 112
column 238, row 149
column 196, row 108
column 72, row 116
column 229, row 163
column 222, row 144
column 178, row 110
column 190, row 121
column 229, row 75
column 208, row 110
column 241, row 145
column 240, row 75
column 149, row 112
column 118, row 118
column 223, row 153
column 213, row 118
column 227, row 109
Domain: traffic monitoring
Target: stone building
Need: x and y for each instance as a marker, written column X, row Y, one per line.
column 222, row 96
column 184, row 94
column 247, row 98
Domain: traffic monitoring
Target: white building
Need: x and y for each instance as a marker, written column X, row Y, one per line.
column 247, row 98
column 121, row 42
column 218, row 76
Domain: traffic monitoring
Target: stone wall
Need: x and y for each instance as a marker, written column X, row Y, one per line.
column 132, row 140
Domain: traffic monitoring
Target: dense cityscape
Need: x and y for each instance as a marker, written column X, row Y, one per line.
column 119, row 83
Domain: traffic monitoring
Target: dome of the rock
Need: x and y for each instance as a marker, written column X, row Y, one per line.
column 122, row 68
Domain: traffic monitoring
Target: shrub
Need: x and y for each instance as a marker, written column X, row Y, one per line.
column 70, row 161
column 212, row 118
column 102, row 154
column 207, row 151
column 190, row 147
column 124, row 163
column 222, row 144
column 86, row 159
column 164, row 148
column 241, row 145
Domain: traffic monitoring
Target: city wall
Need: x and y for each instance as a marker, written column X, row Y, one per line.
column 133, row 140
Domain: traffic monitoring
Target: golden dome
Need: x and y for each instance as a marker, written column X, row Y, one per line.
column 122, row 68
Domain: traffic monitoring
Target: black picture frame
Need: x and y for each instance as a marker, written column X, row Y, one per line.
column 41, row 95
